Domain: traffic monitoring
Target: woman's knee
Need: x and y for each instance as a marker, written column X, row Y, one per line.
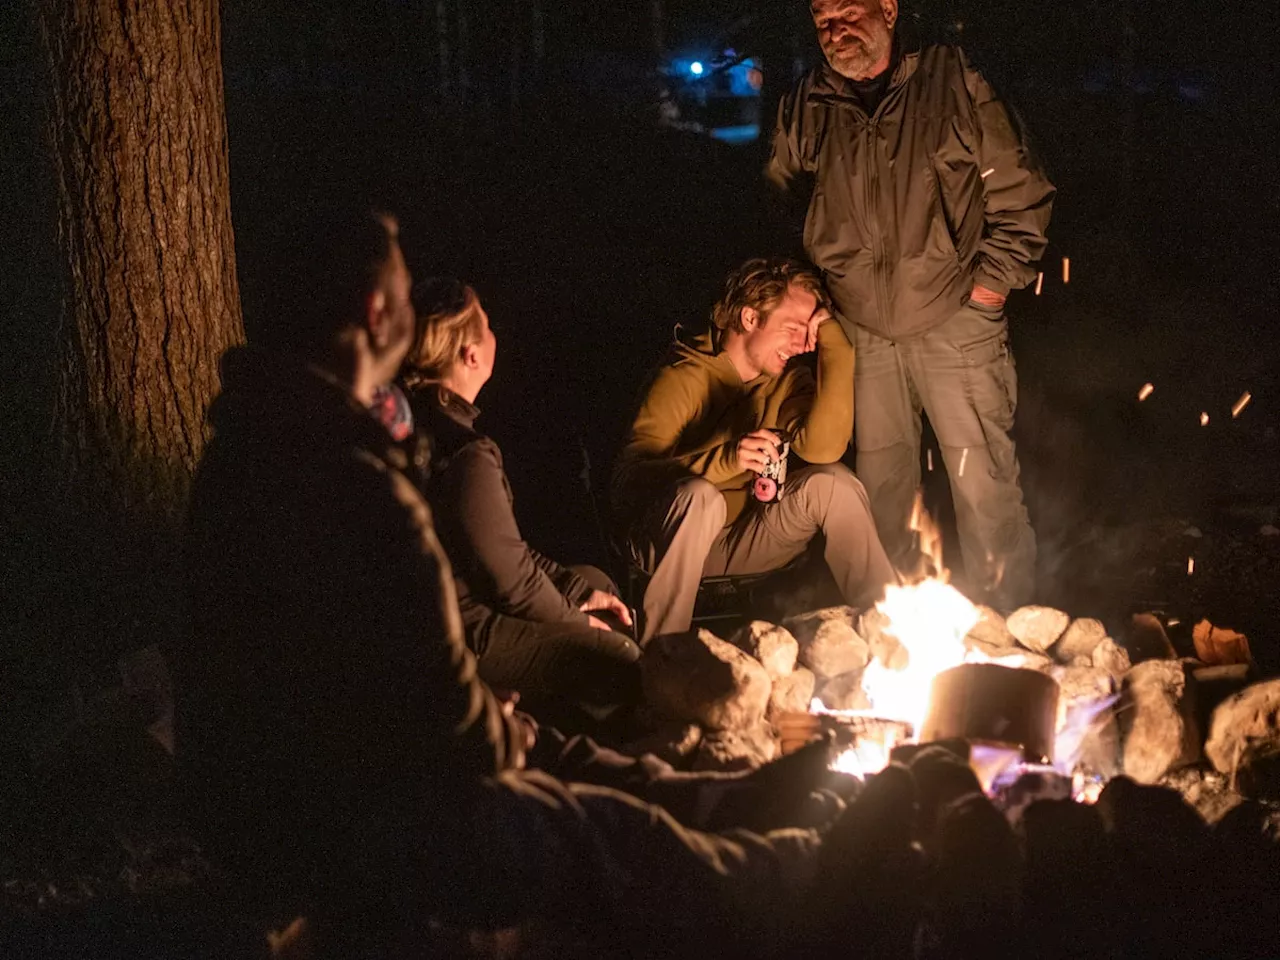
column 596, row 578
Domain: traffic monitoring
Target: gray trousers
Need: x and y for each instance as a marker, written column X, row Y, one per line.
column 685, row 539
column 962, row 376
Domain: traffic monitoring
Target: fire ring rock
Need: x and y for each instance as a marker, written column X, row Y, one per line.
column 743, row 749
column 829, row 643
column 845, row 693
column 1080, row 640
column 772, row 645
column 1244, row 739
column 990, row 635
column 700, row 678
column 1111, row 657
column 792, row 693
column 1158, row 718
column 1037, row 628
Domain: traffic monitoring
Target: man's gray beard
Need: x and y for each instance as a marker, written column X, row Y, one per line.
column 854, row 64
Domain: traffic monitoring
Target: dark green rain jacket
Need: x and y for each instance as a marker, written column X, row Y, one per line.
column 912, row 205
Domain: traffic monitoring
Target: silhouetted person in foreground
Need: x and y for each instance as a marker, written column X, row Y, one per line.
column 338, row 742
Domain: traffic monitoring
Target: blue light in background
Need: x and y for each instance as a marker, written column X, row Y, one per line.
column 696, row 68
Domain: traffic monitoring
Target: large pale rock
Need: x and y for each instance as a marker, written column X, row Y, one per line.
column 1111, row 657
column 990, row 635
column 1037, row 628
column 699, row 678
column 1087, row 730
column 1032, row 661
column 834, row 647
column 1158, row 719
column 742, row 749
column 792, row 693
column 1081, row 685
column 772, row 645
column 1080, row 640
column 844, row 693
column 1244, row 739
column 804, row 626
column 1205, row 789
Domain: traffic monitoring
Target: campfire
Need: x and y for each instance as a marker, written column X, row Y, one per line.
column 939, row 669
column 1037, row 693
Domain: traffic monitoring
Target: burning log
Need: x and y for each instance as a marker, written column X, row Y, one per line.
column 848, row 730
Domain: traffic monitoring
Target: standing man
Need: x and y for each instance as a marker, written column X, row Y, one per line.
column 926, row 209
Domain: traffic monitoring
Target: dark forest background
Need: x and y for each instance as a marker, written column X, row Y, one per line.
column 519, row 141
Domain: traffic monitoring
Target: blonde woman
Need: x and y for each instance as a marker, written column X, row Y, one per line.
column 535, row 626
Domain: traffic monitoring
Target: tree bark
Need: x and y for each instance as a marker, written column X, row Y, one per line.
column 137, row 127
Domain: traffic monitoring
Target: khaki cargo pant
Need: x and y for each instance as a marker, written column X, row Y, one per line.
column 685, row 539
column 961, row 374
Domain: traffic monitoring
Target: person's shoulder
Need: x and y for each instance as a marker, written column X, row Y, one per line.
column 941, row 55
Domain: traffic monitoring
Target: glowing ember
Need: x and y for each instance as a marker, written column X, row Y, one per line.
column 1066, row 270
column 1204, row 419
column 1241, row 404
column 930, row 458
column 1039, row 282
column 1191, row 565
column 1146, row 391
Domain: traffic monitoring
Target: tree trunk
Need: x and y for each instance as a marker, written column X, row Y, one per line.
column 138, row 134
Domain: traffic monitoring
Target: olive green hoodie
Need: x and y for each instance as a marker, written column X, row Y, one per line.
column 697, row 408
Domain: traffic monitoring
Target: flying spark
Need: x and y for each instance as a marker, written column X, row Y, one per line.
column 1240, row 404
column 964, row 455
column 930, row 458
column 1066, row 269
column 1039, row 282
column 988, row 172
column 1204, row 419
column 1146, row 391
column 1191, row 565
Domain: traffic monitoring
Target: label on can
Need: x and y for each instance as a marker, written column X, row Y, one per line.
column 767, row 486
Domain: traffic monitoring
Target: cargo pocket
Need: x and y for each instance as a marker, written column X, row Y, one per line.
column 991, row 385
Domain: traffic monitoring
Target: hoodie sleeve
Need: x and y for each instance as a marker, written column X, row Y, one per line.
column 819, row 414
column 509, row 574
column 653, row 457
column 1018, row 195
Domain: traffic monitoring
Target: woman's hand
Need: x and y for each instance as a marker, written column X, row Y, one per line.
column 599, row 601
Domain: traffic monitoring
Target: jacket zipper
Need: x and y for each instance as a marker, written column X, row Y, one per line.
column 880, row 285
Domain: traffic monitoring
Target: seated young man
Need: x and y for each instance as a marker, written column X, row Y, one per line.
column 714, row 417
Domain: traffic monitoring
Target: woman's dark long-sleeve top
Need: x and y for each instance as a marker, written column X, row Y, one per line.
column 497, row 572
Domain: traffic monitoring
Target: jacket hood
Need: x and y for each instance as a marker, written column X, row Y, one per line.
column 703, row 350
column 281, row 398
